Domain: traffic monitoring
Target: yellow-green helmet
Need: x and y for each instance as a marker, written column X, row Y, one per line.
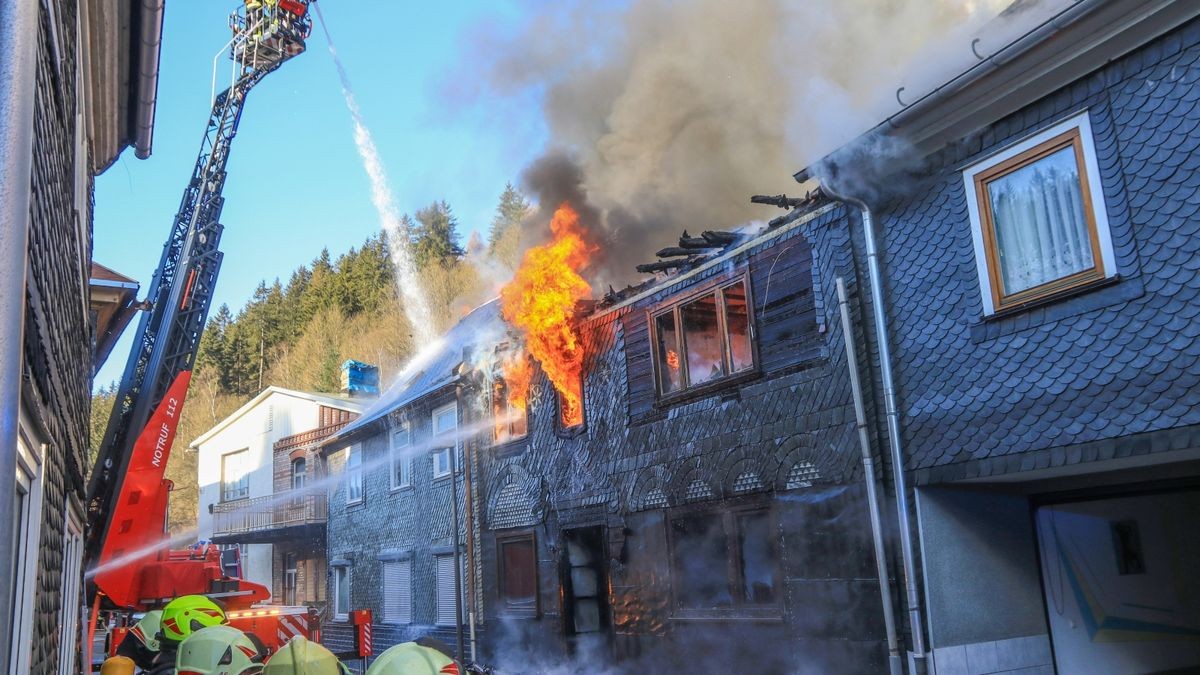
column 218, row 650
column 302, row 657
column 146, row 629
column 187, row 614
column 410, row 658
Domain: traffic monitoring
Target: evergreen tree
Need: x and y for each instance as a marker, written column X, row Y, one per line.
column 435, row 238
column 504, row 237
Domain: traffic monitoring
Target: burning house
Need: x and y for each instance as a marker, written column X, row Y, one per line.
column 707, row 504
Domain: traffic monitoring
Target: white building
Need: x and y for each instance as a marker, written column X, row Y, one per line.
column 235, row 463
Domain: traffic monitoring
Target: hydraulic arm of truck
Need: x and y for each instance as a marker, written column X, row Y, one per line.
column 127, row 492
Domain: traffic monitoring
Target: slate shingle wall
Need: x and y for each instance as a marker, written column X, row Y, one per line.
column 758, row 439
column 984, row 397
column 415, row 520
column 57, row 331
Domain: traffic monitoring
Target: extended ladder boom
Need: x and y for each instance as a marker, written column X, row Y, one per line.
column 180, row 296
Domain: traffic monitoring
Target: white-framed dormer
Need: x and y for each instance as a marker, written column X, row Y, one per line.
column 400, row 452
column 1039, row 223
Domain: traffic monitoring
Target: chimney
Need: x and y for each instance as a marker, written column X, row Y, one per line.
column 360, row 379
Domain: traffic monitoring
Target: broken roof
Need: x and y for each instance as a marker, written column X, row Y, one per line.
column 434, row 368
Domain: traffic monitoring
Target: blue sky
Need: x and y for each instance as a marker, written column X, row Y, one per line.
column 295, row 182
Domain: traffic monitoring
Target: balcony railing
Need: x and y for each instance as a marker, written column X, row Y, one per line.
column 274, row 512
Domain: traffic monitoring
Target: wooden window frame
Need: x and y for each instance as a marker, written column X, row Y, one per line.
column 502, row 605
column 734, row 574
column 1074, row 132
column 687, row 389
column 502, row 391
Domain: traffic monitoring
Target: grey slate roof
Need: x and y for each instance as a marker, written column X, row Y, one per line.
column 435, row 367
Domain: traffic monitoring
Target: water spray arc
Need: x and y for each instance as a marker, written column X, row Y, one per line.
column 416, row 306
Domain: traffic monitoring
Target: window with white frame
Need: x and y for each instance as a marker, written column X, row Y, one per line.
column 1039, row 222
column 444, row 572
column 235, row 475
column 445, row 425
column 341, row 592
column 401, row 456
column 397, row 591
column 354, row 475
column 71, row 610
column 26, row 518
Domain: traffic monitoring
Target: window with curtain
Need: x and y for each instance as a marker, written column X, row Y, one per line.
column 354, row 476
column 341, row 592
column 401, row 457
column 1040, row 225
column 235, row 475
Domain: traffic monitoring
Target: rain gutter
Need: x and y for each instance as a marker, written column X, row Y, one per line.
column 19, row 32
column 895, row 660
column 146, row 95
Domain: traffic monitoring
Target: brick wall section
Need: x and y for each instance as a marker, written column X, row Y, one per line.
column 741, row 442
column 1082, row 378
column 57, row 331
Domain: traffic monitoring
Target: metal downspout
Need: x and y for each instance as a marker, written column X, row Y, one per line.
column 893, row 427
column 146, row 92
column 895, row 658
column 19, row 31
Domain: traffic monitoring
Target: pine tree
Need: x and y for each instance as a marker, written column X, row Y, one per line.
column 505, row 234
column 435, row 238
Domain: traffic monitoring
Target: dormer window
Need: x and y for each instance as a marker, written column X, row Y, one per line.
column 703, row 339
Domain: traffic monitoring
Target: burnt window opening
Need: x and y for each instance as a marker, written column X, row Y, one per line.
column 570, row 410
column 510, row 410
column 517, row 574
column 585, row 582
column 725, row 563
column 704, row 339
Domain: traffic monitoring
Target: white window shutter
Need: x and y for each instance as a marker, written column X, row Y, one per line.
column 445, row 590
column 397, row 591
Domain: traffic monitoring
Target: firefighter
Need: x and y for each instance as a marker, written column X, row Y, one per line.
column 141, row 643
column 222, row 650
column 302, row 657
column 410, row 658
column 187, row 614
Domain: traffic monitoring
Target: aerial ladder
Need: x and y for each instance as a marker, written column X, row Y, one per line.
column 127, row 549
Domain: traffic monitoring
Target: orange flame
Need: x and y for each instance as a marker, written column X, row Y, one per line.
column 540, row 302
column 511, row 395
column 672, row 359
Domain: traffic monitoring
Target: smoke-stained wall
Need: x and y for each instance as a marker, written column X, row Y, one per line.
column 645, row 468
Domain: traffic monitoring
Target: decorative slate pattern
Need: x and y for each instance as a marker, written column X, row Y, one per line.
column 802, row 475
column 1116, row 361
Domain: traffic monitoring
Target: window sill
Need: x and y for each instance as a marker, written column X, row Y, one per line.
column 407, row 487
column 1055, row 296
column 356, row 502
column 708, row 388
column 1095, row 296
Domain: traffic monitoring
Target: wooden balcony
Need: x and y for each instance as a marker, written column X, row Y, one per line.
column 264, row 520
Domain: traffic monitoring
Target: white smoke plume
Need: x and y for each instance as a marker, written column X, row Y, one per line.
column 416, row 307
column 677, row 112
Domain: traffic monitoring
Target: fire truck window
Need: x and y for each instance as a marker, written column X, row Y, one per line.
column 518, row 574
column 670, row 375
column 756, row 555
column 737, row 325
column 699, row 554
column 702, row 337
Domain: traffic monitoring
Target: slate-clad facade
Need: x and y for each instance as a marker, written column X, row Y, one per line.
column 1053, row 446
column 622, row 494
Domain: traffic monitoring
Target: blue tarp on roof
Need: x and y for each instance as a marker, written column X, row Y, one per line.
column 436, row 366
